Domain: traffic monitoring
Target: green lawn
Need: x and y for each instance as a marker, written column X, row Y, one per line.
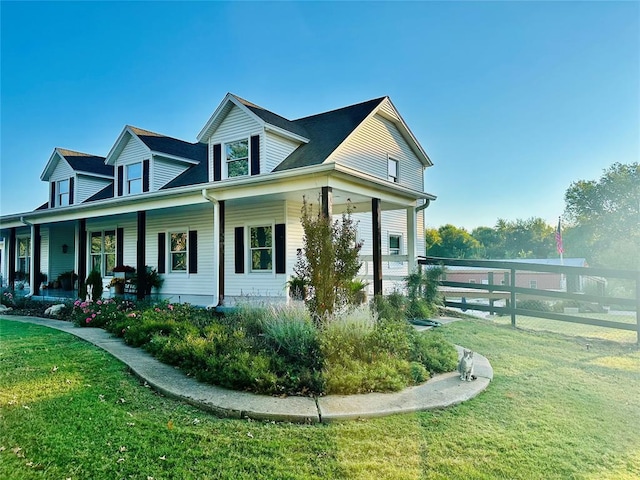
column 554, row 410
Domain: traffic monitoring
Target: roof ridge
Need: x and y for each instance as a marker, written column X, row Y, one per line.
column 373, row 100
column 66, row 152
column 142, row 131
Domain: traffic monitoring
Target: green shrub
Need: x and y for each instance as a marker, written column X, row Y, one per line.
column 290, row 331
column 95, row 281
column 537, row 305
column 433, row 351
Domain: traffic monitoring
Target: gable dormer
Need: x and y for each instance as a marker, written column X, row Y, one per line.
column 74, row 176
column 145, row 161
column 245, row 139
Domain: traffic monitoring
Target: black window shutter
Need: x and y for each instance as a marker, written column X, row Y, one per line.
column 255, row 155
column 53, row 194
column 120, row 180
column 239, row 249
column 280, row 248
column 120, row 246
column 145, row 176
column 161, row 253
column 217, row 162
column 193, row 251
column 71, row 191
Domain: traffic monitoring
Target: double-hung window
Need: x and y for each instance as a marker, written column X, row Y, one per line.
column 24, row 255
column 237, row 157
column 395, row 244
column 178, row 251
column 103, row 252
column 63, row 193
column 392, row 170
column 261, row 248
column 134, row 178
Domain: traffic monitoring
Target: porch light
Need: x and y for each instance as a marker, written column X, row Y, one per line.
column 65, row 248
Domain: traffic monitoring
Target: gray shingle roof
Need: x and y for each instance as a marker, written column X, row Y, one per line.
column 85, row 162
column 326, row 131
column 172, row 146
column 274, row 119
column 192, row 176
column 104, row 194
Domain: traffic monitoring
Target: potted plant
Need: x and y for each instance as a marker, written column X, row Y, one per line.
column 67, row 280
column 124, row 271
column 41, row 278
column 297, row 288
column 118, row 285
column 20, row 279
column 358, row 292
column 152, row 280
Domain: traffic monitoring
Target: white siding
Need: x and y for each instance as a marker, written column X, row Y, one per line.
column 182, row 284
column 294, row 235
column 63, row 171
column 164, row 171
column 44, row 251
column 368, row 149
column 58, row 262
column 394, row 222
column 86, row 187
column 277, row 149
column 388, row 109
column 134, row 152
column 253, row 284
column 236, row 125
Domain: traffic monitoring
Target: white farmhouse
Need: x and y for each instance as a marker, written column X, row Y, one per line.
column 220, row 218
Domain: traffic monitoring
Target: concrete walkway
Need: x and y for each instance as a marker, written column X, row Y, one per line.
column 439, row 392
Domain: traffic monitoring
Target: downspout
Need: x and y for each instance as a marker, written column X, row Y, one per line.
column 216, row 245
column 32, row 275
column 420, row 208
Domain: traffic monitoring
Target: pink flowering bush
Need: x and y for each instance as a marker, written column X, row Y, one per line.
column 100, row 313
column 7, row 299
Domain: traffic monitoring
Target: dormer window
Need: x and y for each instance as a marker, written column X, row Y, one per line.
column 63, row 193
column 134, row 178
column 237, row 156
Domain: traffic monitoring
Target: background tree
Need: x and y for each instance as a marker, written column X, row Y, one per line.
column 454, row 242
column 603, row 217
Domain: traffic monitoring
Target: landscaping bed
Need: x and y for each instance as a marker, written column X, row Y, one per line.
column 277, row 350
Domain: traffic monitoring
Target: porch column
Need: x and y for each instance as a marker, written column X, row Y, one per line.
column 327, row 202
column 220, row 236
column 81, row 253
column 141, row 255
column 35, row 271
column 412, row 239
column 11, row 274
column 376, row 214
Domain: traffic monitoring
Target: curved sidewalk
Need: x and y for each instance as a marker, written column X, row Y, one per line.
column 439, row 392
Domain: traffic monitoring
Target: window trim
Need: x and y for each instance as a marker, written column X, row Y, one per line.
column 226, row 162
column 400, row 247
column 185, row 232
column 250, row 249
column 393, row 161
column 27, row 257
column 128, row 180
column 60, row 193
column 103, row 254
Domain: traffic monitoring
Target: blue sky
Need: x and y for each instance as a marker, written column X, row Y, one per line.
column 512, row 101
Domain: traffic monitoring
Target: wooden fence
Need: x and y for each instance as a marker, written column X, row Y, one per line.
column 508, row 290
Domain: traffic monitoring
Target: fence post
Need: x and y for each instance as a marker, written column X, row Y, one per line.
column 491, row 300
column 512, row 282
